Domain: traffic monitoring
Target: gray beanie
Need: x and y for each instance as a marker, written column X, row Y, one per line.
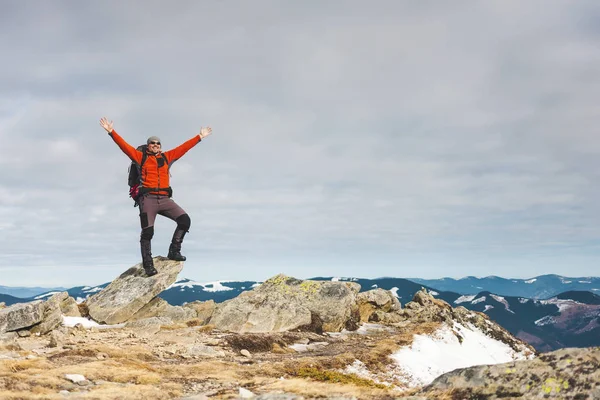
column 153, row 139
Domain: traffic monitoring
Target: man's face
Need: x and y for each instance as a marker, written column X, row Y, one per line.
column 154, row 147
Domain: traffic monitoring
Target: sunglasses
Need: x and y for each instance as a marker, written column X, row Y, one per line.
column 158, row 143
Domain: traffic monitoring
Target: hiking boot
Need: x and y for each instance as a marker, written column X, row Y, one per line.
column 175, row 247
column 175, row 254
column 147, row 261
column 150, row 270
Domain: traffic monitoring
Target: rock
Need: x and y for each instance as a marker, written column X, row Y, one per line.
column 70, row 308
column 131, row 291
column 204, row 309
column 158, row 307
column 245, row 394
column 566, row 373
column 284, row 303
column 245, row 353
column 376, row 300
column 52, row 314
column 24, row 333
column 146, row 322
column 21, row 315
column 57, row 338
column 2, row 305
column 75, row 378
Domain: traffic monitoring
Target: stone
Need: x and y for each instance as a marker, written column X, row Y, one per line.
column 2, row 305
column 24, row 333
column 284, row 303
column 21, row 315
column 52, row 314
column 204, row 309
column 245, row 394
column 376, row 301
column 131, row 291
column 57, row 338
column 245, row 353
column 158, row 307
column 70, row 308
column 75, row 378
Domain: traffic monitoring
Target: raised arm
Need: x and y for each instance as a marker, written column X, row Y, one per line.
column 129, row 150
column 179, row 151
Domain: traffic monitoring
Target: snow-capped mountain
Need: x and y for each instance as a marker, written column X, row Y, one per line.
column 540, row 287
column 571, row 319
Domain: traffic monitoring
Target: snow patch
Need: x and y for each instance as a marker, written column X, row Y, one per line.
column 216, row 286
column 488, row 307
column 531, row 280
column 374, row 286
column 502, row 300
column 433, row 293
column 430, row 356
column 394, row 291
column 562, row 304
column 72, row 321
column 94, row 290
column 523, row 300
column 585, row 282
column 464, row 299
column 255, row 285
column 479, row 300
column 41, row 296
column 544, row 321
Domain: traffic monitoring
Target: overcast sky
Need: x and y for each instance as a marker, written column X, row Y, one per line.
column 395, row 138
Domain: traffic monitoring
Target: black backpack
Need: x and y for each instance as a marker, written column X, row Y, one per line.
column 135, row 176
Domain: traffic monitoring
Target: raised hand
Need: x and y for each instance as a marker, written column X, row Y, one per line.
column 108, row 126
column 204, row 132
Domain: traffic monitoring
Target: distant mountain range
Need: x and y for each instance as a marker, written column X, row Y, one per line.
column 566, row 319
column 541, row 287
column 26, row 292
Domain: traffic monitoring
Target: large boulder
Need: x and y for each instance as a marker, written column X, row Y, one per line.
column 374, row 305
column 131, row 291
column 563, row 374
column 284, row 303
column 21, row 315
column 52, row 314
column 160, row 308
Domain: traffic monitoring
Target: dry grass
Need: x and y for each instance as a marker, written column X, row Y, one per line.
column 318, row 389
column 324, row 375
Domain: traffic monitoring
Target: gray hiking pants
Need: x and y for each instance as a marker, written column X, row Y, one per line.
column 151, row 205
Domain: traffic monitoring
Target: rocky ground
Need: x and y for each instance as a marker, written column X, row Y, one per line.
column 287, row 339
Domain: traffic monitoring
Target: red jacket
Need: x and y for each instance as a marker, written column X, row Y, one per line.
column 154, row 176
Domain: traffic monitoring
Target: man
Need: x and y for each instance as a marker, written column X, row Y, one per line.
column 155, row 192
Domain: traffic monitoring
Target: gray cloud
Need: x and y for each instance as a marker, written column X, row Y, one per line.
column 390, row 139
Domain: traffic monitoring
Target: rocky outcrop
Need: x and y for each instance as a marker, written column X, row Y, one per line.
column 375, row 305
column 21, row 315
column 284, row 303
column 131, row 291
column 565, row 374
column 425, row 308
